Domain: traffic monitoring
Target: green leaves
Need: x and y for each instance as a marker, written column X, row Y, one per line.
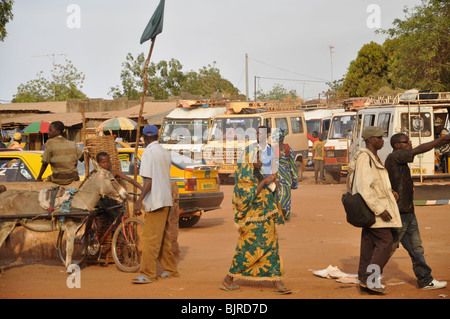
column 64, row 83
column 367, row 73
column 166, row 78
column 416, row 54
column 5, row 16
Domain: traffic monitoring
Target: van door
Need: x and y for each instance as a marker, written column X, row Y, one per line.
column 325, row 127
column 297, row 139
column 384, row 122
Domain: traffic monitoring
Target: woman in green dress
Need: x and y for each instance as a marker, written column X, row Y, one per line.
column 257, row 212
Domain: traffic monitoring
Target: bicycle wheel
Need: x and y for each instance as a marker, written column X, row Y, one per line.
column 78, row 255
column 126, row 245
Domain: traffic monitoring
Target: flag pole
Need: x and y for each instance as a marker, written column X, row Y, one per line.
column 138, row 131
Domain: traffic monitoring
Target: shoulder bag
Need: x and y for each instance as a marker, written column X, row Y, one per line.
column 358, row 213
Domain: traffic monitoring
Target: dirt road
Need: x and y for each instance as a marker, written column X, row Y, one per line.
column 316, row 236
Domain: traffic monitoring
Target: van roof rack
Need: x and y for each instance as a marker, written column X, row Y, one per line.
column 201, row 103
column 423, row 97
column 434, row 99
column 261, row 106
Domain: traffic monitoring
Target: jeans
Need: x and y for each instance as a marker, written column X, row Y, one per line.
column 409, row 236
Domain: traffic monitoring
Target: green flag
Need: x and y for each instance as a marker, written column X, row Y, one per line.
column 155, row 25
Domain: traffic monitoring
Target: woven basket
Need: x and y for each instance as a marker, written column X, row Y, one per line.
column 106, row 144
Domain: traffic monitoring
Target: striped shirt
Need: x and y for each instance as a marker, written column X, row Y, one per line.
column 62, row 155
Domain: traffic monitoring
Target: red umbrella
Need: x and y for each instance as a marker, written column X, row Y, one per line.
column 36, row 128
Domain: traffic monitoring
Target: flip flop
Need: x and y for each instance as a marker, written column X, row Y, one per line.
column 165, row 275
column 142, row 280
column 223, row 286
column 283, row 291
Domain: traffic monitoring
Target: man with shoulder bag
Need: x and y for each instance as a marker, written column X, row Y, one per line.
column 371, row 182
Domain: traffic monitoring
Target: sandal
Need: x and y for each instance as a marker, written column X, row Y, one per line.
column 165, row 275
column 142, row 280
column 283, row 291
column 224, row 286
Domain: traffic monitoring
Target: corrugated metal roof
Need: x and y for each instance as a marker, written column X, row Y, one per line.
column 53, row 107
column 71, row 119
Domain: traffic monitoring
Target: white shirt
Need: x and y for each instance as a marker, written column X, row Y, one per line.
column 156, row 164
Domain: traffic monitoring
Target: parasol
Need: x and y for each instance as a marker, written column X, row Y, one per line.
column 117, row 123
column 36, row 128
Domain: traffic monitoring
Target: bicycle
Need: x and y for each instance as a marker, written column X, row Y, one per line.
column 89, row 244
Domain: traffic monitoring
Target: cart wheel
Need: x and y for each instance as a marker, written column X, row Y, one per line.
column 79, row 256
column 126, row 245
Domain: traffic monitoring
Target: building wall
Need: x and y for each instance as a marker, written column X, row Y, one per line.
column 101, row 105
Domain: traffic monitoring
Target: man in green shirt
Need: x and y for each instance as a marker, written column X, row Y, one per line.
column 62, row 155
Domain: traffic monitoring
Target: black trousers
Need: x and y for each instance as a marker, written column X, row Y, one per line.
column 376, row 247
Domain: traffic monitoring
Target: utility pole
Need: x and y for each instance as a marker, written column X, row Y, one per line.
column 255, row 88
column 246, row 76
column 331, row 58
column 53, row 69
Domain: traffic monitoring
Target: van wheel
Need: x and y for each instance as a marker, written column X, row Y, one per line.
column 188, row 221
column 332, row 177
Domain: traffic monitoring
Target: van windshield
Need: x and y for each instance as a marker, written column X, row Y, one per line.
column 231, row 127
column 184, row 132
column 313, row 126
column 341, row 125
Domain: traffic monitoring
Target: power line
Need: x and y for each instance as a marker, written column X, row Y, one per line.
column 276, row 67
column 295, row 80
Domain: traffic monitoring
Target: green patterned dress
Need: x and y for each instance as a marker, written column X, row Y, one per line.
column 257, row 251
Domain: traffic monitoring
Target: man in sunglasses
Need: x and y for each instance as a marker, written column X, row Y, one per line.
column 402, row 183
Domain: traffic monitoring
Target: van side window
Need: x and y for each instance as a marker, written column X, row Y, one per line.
column 383, row 122
column 282, row 124
column 296, row 124
column 358, row 125
column 369, row 120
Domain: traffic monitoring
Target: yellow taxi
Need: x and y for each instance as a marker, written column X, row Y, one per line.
column 198, row 184
column 21, row 166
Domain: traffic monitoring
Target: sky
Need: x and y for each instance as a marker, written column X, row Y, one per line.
column 287, row 41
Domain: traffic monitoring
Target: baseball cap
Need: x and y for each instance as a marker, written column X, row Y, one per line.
column 150, row 130
column 371, row 131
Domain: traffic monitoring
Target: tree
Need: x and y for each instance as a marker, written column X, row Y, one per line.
column 131, row 78
column 367, row 73
column 209, row 81
column 167, row 79
column 65, row 83
column 277, row 93
column 419, row 47
column 5, row 16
